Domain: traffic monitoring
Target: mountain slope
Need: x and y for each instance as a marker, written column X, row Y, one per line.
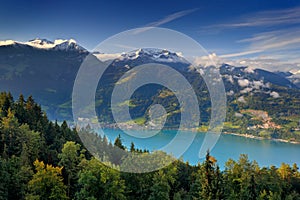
column 48, row 74
column 48, row 69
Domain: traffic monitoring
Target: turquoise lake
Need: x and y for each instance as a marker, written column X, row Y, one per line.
column 265, row 152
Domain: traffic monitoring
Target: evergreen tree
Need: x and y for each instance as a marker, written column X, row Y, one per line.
column 209, row 190
column 132, row 148
column 118, row 143
column 70, row 157
column 161, row 187
column 252, row 194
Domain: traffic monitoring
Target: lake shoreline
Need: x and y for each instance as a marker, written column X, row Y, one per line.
column 228, row 146
column 260, row 138
column 114, row 126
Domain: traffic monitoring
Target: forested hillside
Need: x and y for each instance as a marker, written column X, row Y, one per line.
column 40, row 159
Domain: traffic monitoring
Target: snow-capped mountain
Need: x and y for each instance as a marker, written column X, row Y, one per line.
column 149, row 55
column 67, row 45
column 258, row 79
column 295, row 71
column 156, row 55
column 41, row 67
column 38, row 43
column 7, row 42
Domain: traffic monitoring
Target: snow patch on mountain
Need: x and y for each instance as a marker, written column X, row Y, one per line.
column 157, row 55
column 38, row 43
column 295, row 71
column 7, row 42
column 67, row 45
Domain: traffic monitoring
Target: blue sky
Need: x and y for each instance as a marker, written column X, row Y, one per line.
column 256, row 31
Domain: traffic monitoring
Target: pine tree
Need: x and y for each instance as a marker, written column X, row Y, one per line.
column 252, row 194
column 161, row 187
column 207, row 181
column 70, row 157
column 118, row 143
column 132, row 148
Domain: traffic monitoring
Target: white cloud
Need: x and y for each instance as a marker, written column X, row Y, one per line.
column 274, row 40
column 258, row 84
column 247, row 69
column 167, row 19
column 241, row 99
column 243, row 82
column 230, row 93
column 238, row 54
column 274, row 94
column 246, row 90
column 263, row 62
column 105, row 57
column 283, row 41
column 211, row 59
column 270, row 63
column 265, row 18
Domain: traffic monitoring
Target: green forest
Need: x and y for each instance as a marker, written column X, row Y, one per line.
column 41, row 159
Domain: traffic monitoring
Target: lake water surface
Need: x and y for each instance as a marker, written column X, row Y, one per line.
column 265, row 152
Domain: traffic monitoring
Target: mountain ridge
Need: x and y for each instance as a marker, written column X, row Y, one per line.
column 71, row 44
column 58, row 44
column 49, row 74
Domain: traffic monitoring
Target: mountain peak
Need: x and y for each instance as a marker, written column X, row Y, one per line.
column 40, row 43
column 70, row 44
column 295, row 71
column 7, row 42
column 158, row 55
column 60, row 41
column 58, row 44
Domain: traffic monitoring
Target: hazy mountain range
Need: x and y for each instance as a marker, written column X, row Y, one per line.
column 47, row 70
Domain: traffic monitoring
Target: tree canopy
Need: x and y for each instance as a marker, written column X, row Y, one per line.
column 40, row 159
